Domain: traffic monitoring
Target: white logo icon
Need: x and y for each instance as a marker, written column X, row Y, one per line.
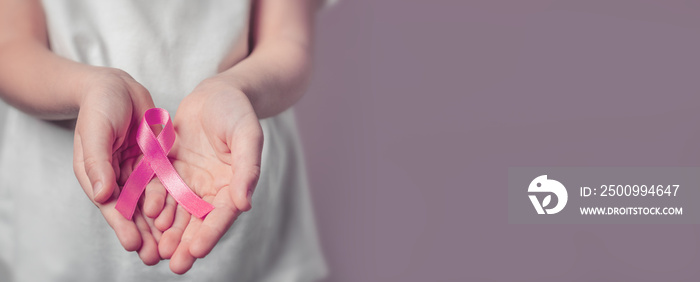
column 542, row 184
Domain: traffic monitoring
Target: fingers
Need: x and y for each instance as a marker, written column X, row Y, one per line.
column 96, row 139
column 165, row 218
column 148, row 252
column 246, row 150
column 134, row 235
column 126, row 230
column 172, row 236
column 157, row 234
column 154, row 198
column 214, row 225
column 181, row 261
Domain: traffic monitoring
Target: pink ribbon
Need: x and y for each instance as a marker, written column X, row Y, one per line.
column 155, row 162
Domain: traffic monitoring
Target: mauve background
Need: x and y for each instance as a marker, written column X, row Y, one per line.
column 418, row 108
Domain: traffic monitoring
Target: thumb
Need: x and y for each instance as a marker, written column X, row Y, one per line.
column 246, row 150
column 97, row 138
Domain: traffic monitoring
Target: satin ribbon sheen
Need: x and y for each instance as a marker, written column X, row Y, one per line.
column 155, row 162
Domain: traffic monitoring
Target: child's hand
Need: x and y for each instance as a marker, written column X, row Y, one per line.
column 111, row 105
column 217, row 152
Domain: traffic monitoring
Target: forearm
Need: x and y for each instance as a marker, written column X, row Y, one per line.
column 273, row 77
column 275, row 74
column 40, row 83
column 32, row 78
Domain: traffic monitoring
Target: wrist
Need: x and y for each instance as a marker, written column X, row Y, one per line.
column 235, row 88
column 221, row 86
column 91, row 80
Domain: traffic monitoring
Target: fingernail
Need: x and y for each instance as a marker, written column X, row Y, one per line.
column 96, row 188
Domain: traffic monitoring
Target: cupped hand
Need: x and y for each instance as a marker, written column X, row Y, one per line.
column 111, row 105
column 217, row 152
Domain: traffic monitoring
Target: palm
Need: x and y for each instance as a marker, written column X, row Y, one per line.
column 197, row 161
column 217, row 153
column 201, row 153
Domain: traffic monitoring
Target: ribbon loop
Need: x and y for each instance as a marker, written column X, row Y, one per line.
column 155, row 162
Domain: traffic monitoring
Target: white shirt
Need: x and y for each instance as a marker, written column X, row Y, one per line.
column 49, row 229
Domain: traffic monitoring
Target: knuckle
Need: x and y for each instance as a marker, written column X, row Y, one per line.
column 254, row 173
column 249, row 177
column 92, row 166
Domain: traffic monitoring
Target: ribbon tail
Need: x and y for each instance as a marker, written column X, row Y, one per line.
column 133, row 188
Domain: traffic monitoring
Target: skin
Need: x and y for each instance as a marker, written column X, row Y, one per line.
column 219, row 138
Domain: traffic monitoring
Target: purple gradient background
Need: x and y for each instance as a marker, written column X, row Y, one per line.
column 418, row 108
